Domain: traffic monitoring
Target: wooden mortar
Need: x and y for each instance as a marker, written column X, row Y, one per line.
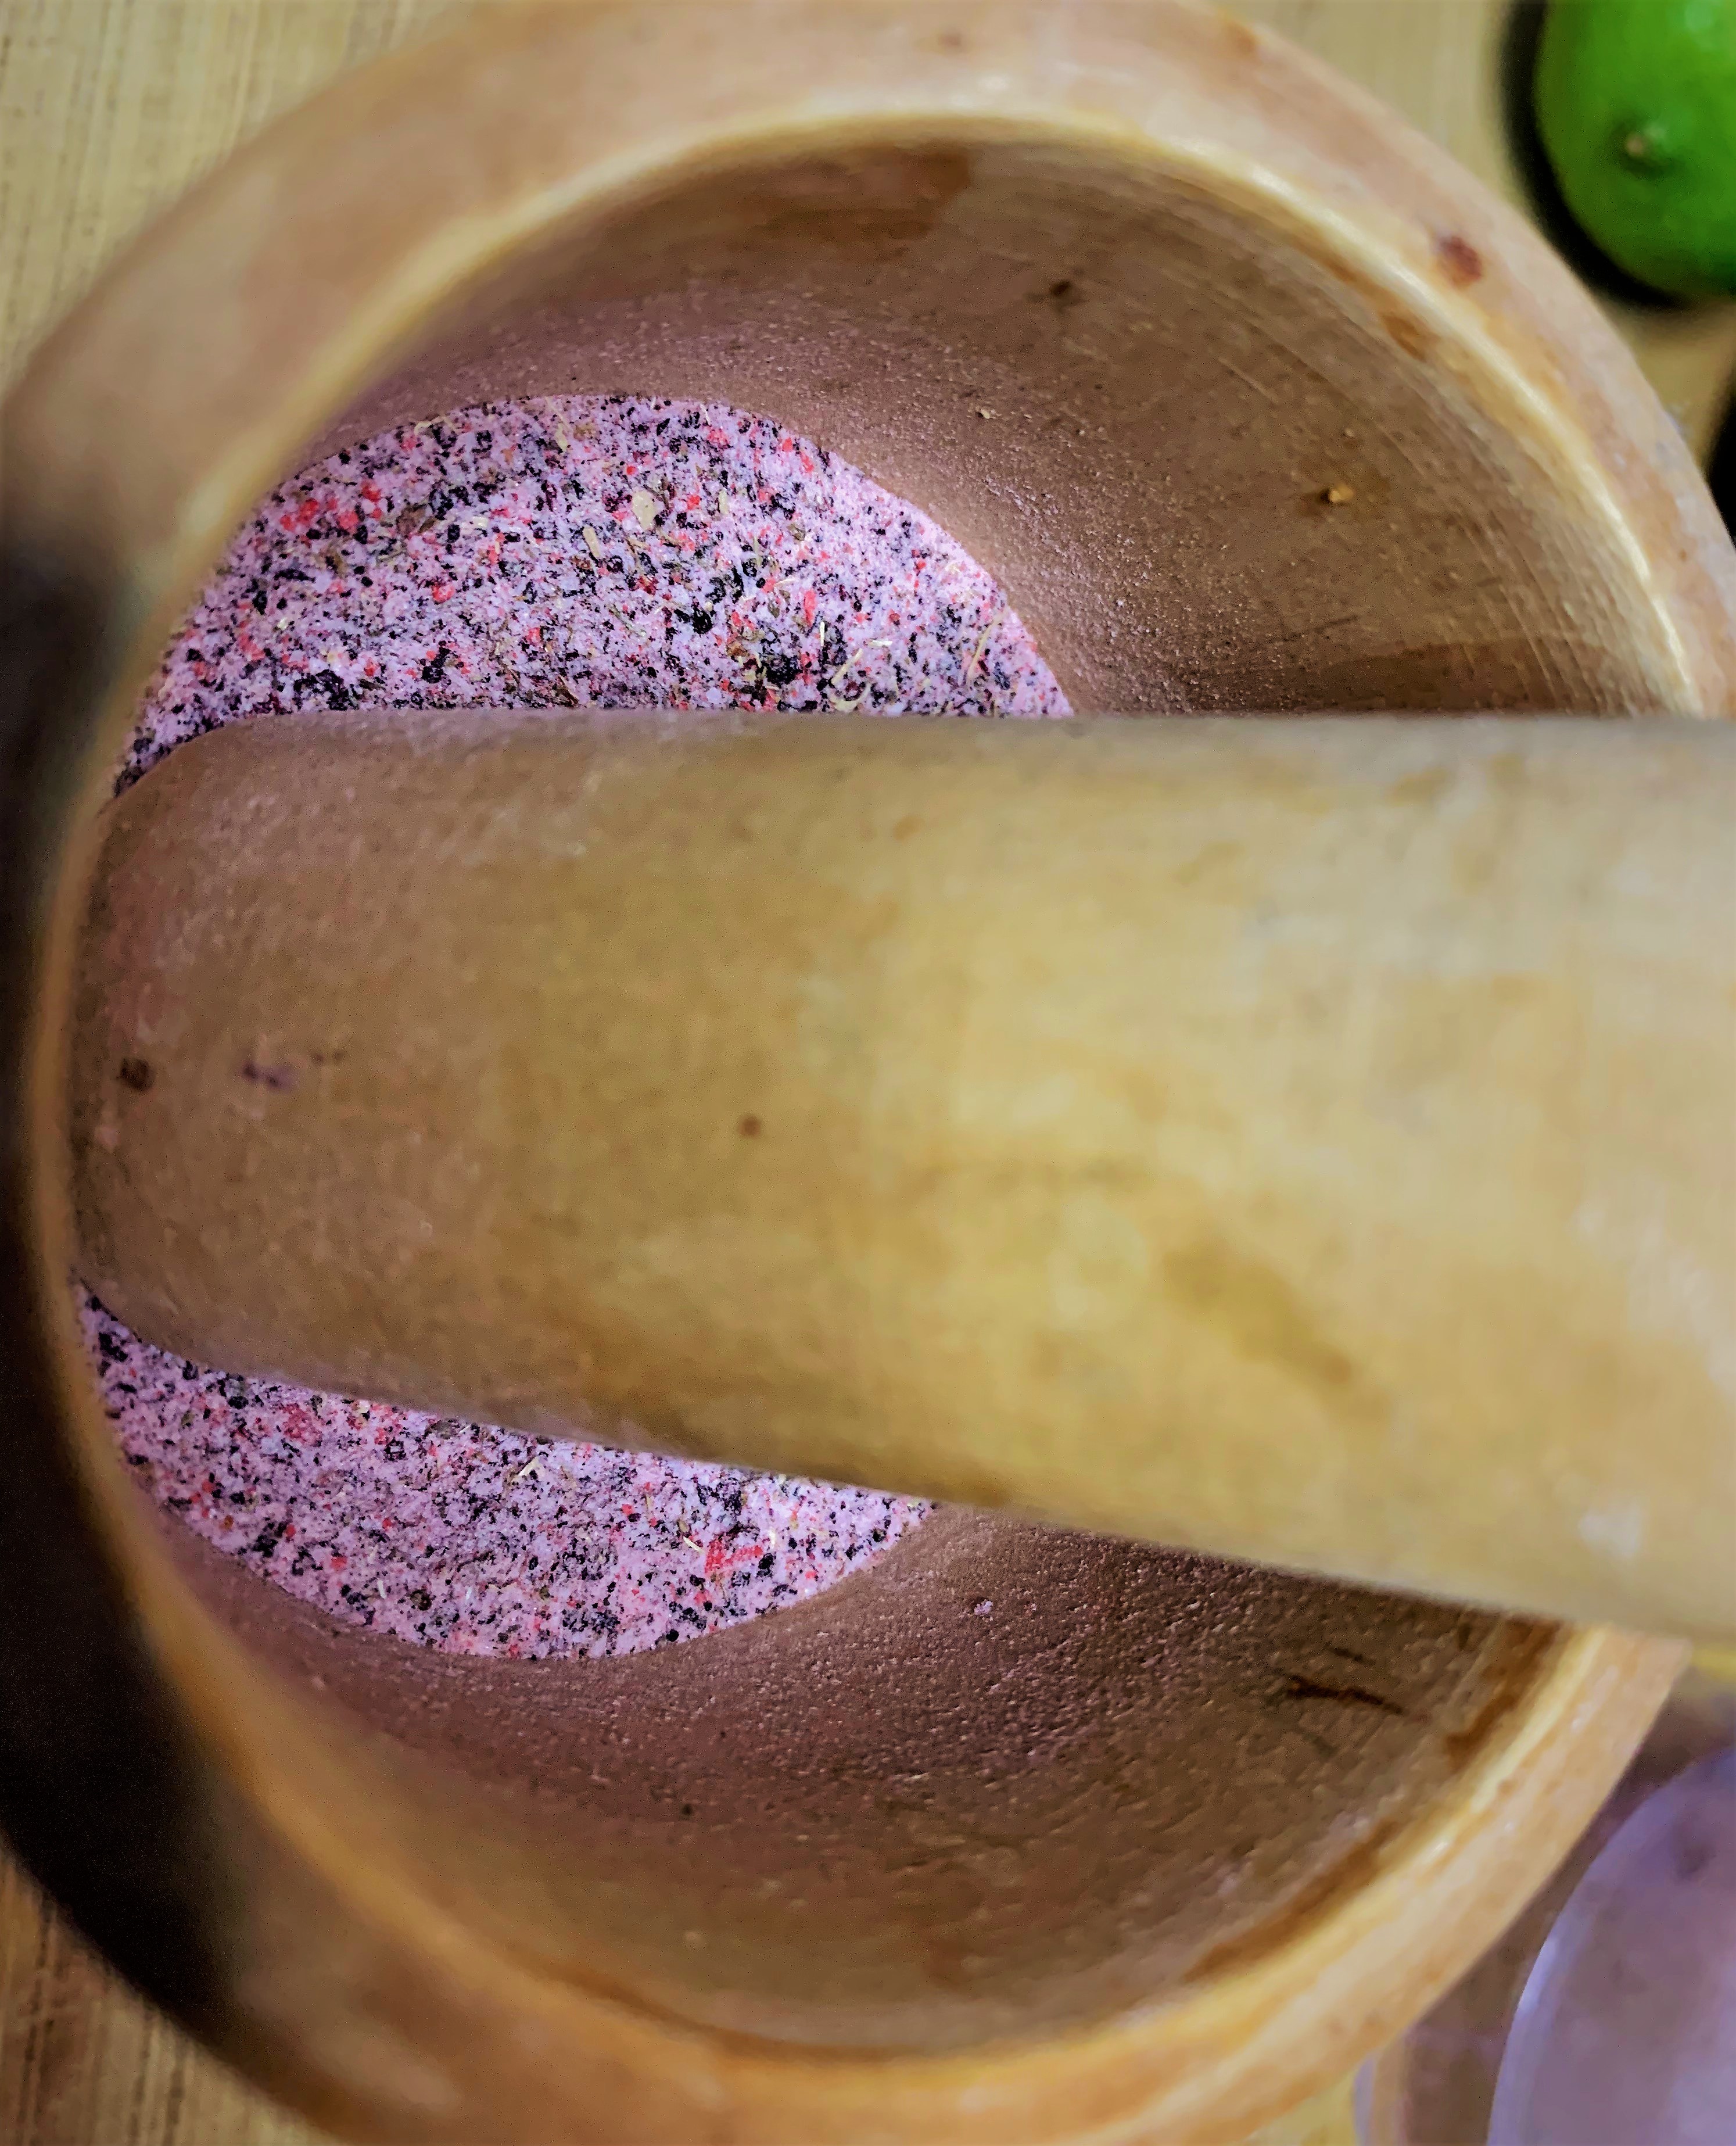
column 1285, row 413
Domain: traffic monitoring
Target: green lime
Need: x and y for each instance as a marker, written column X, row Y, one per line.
column 1636, row 105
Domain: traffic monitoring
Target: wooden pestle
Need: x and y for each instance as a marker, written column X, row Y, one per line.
column 1313, row 1141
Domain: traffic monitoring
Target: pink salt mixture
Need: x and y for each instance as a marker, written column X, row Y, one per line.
column 574, row 553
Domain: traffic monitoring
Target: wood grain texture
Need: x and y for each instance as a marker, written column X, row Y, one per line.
column 109, row 108
column 83, row 2062
column 1027, row 1289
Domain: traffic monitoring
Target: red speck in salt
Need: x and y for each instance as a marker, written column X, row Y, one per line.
column 464, row 1537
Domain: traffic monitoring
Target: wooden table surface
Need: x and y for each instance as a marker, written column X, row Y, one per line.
column 108, row 108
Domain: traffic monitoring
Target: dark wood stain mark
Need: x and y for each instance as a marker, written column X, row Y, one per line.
column 1511, row 1671
column 280, row 1080
column 1460, row 262
column 1260, row 1314
column 1242, row 40
column 868, row 205
column 1351, row 1694
column 138, row 1074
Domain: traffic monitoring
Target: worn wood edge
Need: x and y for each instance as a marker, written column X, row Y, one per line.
column 1227, row 2056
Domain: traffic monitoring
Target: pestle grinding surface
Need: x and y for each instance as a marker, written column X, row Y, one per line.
column 611, row 552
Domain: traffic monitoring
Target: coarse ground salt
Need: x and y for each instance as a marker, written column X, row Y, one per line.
column 618, row 552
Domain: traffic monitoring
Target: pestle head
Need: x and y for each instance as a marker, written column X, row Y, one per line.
column 1308, row 1141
